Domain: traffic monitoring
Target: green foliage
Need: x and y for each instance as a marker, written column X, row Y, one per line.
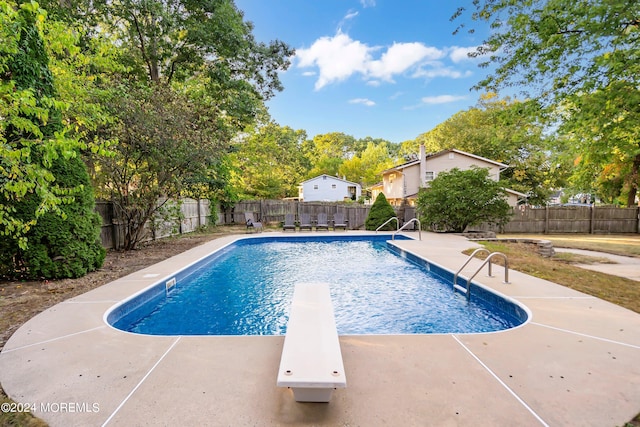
column 381, row 211
column 60, row 246
column 167, row 145
column 458, row 199
column 175, row 82
column 45, row 198
column 507, row 131
column 366, row 168
column 38, row 198
column 269, row 162
column 602, row 131
column 581, row 62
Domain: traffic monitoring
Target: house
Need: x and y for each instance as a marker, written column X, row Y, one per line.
column 327, row 188
column 403, row 182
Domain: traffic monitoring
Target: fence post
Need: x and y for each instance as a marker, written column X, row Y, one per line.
column 592, row 219
column 546, row 219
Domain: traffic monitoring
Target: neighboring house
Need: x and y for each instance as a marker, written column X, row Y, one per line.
column 403, row 182
column 515, row 198
column 326, row 188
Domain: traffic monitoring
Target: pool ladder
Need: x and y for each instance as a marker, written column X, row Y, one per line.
column 467, row 290
column 399, row 229
column 388, row 221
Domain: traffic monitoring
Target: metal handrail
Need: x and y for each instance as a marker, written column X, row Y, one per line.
column 388, row 221
column 407, row 223
column 455, row 276
column 488, row 259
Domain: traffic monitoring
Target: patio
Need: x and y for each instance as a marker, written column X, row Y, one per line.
column 574, row 363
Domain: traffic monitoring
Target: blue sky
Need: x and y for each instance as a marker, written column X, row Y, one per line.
column 382, row 68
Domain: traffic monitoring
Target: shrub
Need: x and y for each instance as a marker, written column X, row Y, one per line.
column 51, row 231
column 60, row 246
column 458, row 199
column 381, row 211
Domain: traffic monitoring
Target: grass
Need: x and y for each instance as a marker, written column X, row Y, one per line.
column 559, row 269
column 11, row 417
column 618, row 244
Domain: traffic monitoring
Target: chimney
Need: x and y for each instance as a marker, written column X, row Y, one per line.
column 423, row 166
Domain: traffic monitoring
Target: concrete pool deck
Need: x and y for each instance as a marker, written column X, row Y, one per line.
column 576, row 362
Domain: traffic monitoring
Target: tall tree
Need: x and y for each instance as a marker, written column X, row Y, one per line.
column 366, row 168
column 165, row 145
column 562, row 52
column 506, row 131
column 192, row 77
column 326, row 152
column 269, row 162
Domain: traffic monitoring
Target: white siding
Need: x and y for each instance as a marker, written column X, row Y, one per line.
column 325, row 188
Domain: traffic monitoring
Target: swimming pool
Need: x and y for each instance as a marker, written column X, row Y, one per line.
column 246, row 289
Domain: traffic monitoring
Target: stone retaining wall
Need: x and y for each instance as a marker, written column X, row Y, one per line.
column 545, row 247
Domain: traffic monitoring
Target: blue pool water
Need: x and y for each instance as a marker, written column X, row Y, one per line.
column 246, row 289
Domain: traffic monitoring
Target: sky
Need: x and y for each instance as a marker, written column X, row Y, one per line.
column 389, row 69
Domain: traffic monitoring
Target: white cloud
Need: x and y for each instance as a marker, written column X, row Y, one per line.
column 309, row 73
column 437, row 69
column 459, row 54
column 350, row 15
column 368, row 3
column 363, row 101
column 442, row 99
column 337, row 58
column 400, row 57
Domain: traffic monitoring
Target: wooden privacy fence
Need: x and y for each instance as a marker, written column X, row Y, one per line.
column 571, row 219
column 193, row 214
column 196, row 213
column 273, row 211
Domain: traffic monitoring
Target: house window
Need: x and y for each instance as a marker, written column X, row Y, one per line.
column 333, row 186
column 429, row 175
column 315, row 186
column 391, row 178
column 451, row 156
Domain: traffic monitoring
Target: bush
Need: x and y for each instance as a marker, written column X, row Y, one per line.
column 381, row 211
column 458, row 199
column 59, row 246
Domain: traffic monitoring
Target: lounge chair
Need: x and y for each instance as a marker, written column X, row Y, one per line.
column 251, row 223
column 322, row 222
column 339, row 221
column 305, row 222
column 289, row 222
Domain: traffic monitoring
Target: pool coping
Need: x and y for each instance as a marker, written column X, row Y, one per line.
column 574, row 362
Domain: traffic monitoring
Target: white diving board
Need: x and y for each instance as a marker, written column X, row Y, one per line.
column 311, row 362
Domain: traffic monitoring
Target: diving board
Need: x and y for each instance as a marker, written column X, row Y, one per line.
column 311, row 362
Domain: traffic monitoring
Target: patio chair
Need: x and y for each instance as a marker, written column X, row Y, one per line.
column 289, row 222
column 322, row 222
column 251, row 223
column 305, row 222
column 339, row 221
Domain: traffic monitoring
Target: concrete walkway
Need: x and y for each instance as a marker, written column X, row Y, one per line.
column 574, row 363
column 623, row 266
